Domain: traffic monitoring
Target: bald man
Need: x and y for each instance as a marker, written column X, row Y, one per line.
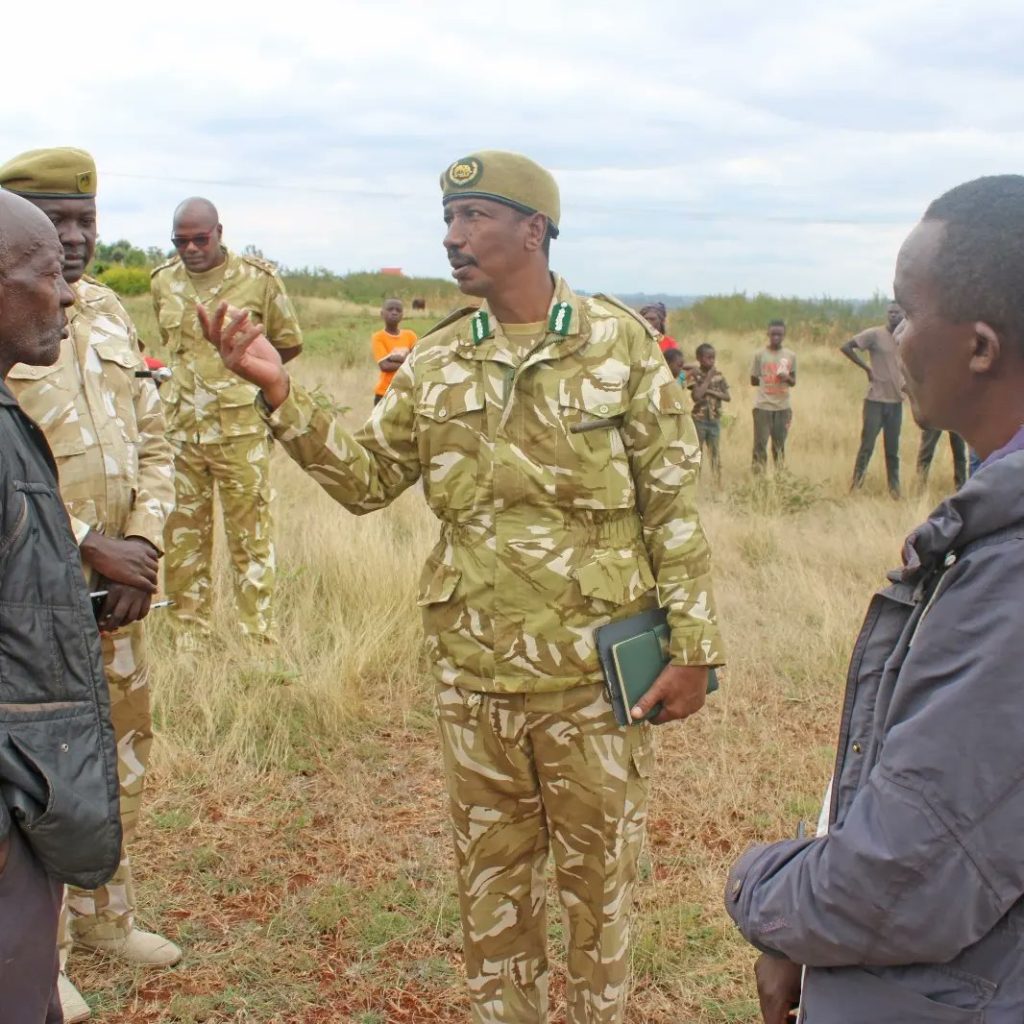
column 220, row 441
column 105, row 424
column 59, row 819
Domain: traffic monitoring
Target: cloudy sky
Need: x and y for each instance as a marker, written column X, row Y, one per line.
column 700, row 147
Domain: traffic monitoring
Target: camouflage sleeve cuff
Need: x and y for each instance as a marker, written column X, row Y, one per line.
column 694, row 642
column 292, row 416
column 141, row 524
column 79, row 528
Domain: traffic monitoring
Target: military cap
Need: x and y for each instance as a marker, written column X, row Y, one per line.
column 62, row 173
column 506, row 177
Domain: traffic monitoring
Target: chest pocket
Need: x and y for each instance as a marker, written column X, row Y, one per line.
column 451, row 427
column 49, row 394
column 592, row 465
column 170, row 318
column 119, row 364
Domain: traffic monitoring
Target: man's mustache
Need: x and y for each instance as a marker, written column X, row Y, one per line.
column 456, row 259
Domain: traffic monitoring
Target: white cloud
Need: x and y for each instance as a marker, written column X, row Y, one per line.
column 699, row 148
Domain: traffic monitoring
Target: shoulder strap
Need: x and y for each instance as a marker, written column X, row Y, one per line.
column 620, row 305
column 457, row 314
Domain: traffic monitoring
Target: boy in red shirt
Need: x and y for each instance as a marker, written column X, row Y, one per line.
column 391, row 345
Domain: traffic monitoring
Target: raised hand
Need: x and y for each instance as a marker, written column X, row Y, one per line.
column 245, row 350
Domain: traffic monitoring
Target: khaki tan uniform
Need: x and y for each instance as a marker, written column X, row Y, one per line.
column 545, row 534
column 219, row 439
column 105, row 427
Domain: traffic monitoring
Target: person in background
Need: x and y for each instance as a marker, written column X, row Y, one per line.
column 220, row 443
column 676, row 364
column 883, row 406
column 656, row 314
column 709, row 390
column 773, row 373
column 391, row 345
column 925, row 454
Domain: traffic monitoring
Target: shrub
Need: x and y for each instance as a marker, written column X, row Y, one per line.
column 125, row 280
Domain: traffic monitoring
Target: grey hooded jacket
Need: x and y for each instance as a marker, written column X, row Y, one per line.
column 910, row 910
column 58, row 760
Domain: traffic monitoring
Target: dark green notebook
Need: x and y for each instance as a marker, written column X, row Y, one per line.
column 633, row 652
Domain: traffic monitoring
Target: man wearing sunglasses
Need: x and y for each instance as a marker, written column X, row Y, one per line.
column 218, row 437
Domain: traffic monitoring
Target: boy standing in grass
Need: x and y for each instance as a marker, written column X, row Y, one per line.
column 710, row 389
column 390, row 345
column 773, row 373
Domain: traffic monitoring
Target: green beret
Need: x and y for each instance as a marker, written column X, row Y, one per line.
column 62, row 173
column 506, row 177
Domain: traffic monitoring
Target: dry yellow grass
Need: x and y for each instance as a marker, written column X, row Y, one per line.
column 295, row 839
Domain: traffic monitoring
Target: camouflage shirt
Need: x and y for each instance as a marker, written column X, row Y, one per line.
column 710, row 406
column 205, row 402
column 546, row 532
column 104, row 425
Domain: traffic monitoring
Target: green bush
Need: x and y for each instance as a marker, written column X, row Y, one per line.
column 823, row 319
column 125, row 280
column 369, row 288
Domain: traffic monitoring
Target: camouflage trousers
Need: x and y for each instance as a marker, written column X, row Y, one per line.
column 529, row 773
column 109, row 912
column 240, row 470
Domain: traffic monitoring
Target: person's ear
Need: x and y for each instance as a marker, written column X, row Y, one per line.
column 986, row 348
column 536, row 231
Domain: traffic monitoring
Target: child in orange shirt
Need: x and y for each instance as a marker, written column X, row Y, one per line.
column 390, row 346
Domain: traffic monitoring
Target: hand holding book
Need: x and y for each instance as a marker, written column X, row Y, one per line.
column 642, row 683
column 680, row 689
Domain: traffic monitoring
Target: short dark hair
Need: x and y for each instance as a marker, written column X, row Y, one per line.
column 776, row 323
column 979, row 269
column 704, row 346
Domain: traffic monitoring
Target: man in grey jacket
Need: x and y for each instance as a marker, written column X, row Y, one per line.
column 59, row 819
column 911, row 908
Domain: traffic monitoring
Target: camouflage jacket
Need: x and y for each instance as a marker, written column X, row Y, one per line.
column 205, row 402
column 546, row 531
column 105, row 426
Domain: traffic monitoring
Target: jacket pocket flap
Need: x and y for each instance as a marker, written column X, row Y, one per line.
column 617, row 576
column 437, row 584
column 20, row 371
column 64, row 750
column 441, row 402
column 237, row 395
column 117, row 352
column 669, row 399
column 590, row 398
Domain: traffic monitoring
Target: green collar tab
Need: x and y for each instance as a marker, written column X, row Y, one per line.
column 480, row 326
column 560, row 319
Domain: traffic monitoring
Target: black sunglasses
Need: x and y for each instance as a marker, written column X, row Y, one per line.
column 200, row 241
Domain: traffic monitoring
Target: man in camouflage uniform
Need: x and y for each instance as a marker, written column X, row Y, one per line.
column 218, row 437
column 553, row 444
column 105, row 427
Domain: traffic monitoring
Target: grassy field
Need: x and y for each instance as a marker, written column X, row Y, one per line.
column 294, row 838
